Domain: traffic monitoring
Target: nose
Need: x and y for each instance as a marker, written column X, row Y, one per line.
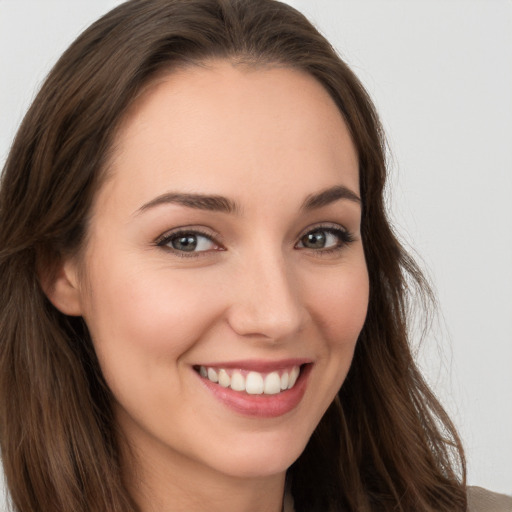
column 266, row 302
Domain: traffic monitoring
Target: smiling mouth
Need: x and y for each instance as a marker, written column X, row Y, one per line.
column 252, row 382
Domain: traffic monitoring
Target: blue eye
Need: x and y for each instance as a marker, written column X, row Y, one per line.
column 325, row 238
column 188, row 242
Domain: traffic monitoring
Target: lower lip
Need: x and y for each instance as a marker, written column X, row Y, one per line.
column 261, row 406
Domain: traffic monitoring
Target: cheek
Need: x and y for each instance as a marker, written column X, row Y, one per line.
column 146, row 316
column 337, row 302
column 340, row 305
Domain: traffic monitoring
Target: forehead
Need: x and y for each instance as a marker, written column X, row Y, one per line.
column 202, row 128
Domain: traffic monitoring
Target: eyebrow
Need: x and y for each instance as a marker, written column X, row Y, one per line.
column 328, row 196
column 222, row 204
column 197, row 201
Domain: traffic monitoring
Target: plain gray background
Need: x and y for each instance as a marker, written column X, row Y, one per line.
column 440, row 73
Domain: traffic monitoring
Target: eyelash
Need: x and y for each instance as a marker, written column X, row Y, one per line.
column 344, row 236
column 166, row 239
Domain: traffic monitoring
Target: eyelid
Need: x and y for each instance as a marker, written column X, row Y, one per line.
column 170, row 235
column 346, row 237
column 333, row 226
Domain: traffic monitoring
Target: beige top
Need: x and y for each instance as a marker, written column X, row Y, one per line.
column 479, row 500
column 482, row 500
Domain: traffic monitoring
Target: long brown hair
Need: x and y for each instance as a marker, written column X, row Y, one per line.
column 384, row 444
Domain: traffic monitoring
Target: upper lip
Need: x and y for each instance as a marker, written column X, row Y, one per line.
column 258, row 365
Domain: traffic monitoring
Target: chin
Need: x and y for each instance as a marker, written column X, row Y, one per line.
column 260, row 459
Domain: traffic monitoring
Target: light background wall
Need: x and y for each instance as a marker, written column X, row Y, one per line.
column 440, row 73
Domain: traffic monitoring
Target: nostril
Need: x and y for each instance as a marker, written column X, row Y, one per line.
column 266, row 320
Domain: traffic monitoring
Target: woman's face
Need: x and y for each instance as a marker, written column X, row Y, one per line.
column 226, row 244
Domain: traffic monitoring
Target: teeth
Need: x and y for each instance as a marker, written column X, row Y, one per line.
column 284, row 380
column 253, row 383
column 293, row 377
column 212, row 375
column 237, row 382
column 272, row 384
column 224, row 379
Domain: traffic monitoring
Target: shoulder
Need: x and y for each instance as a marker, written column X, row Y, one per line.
column 482, row 500
column 479, row 500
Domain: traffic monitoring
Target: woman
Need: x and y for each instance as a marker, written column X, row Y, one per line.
column 203, row 304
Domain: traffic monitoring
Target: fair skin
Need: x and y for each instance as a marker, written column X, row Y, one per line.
column 270, row 277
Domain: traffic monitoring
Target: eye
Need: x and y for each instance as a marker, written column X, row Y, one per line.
column 325, row 239
column 188, row 242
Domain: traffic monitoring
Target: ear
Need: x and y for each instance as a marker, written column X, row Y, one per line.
column 60, row 285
